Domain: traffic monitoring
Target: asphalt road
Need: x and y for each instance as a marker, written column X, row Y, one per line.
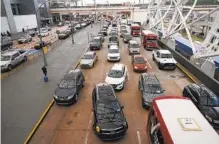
column 73, row 124
column 24, row 94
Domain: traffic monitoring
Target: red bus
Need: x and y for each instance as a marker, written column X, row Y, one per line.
column 176, row 120
column 135, row 30
column 149, row 39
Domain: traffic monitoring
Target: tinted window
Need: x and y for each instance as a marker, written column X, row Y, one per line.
column 115, row 74
column 113, row 39
column 5, row 57
column 139, row 60
column 88, row 56
column 166, row 56
column 134, row 45
column 153, row 88
column 108, row 106
column 67, row 84
column 113, row 51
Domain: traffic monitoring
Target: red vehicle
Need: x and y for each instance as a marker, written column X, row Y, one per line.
column 135, row 30
column 149, row 39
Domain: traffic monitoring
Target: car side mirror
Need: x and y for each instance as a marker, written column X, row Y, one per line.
column 122, row 107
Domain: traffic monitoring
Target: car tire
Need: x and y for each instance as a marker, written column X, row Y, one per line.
column 9, row 67
column 159, row 66
column 153, row 58
column 142, row 102
column 76, row 97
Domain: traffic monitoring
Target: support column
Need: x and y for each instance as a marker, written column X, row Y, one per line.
column 60, row 16
column 10, row 16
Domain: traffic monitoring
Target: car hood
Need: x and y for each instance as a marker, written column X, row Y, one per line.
column 168, row 60
column 22, row 39
column 4, row 62
column 140, row 65
column 148, row 97
column 64, row 92
column 113, row 54
column 87, row 61
column 212, row 111
column 110, row 121
column 111, row 80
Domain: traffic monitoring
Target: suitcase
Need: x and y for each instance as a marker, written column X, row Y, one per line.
column 46, row 79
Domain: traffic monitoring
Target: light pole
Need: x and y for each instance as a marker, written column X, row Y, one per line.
column 72, row 31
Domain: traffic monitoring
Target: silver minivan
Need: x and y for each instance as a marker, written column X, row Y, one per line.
column 133, row 47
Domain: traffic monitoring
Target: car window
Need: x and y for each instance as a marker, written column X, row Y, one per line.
column 15, row 55
column 115, row 73
column 166, row 56
column 67, row 83
column 134, row 45
column 208, row 98
column 5, row 57
column 88, row 56
column 195, row 94
column 139, row 60
column 78, row 78
column 113, row 50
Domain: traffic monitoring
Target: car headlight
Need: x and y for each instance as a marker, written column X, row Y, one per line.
column 208, row 118
column 125, row 124
column 71, row 96
column 136, row 67
column 90, row 64
column 55, row 96
column 97, row 129
column 120, row 84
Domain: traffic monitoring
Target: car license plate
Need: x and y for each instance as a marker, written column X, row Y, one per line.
column 112, row 132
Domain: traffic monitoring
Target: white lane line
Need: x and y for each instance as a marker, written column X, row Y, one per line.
column 149, row 64
column 139, row 137
column 88, row 129
column 128, row 74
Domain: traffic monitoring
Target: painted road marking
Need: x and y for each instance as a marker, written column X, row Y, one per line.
column 139, row 137
column 88, row 129
column 149, row 64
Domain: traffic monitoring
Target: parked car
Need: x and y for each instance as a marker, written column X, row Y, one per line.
column 114, row 24
column 133, row 47
column 11, row 59
column 25, row 39
column 88, row 60
column 60, row 24
column 109, row 120
column 78, row 26
column 117, row 76
column 205, row 100
column 113, row 53
column 105, row 26
column 113, row 40
column 6, row 43
column 45, row 44
column 104, row 31
column 101, row 36
column 95, row 45
column 83, row 24
column 64, row 34
column 68, row 89
column 127, row 37
column 32, row 33
column 98, row 39
column 43, row 32
column 139, row 64
column 164, row 59
column 150, row 87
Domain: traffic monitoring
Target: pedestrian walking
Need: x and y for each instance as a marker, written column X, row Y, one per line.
column 23, row 30
column 44, row 69
column 2, row 34
column 9, row 34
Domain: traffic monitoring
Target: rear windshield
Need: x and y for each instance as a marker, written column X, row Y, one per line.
column 113, row 39
column 134, row 45
column 139, row 60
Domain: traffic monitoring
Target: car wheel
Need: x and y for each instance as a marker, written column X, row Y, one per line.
column 9, row 67
column 153, row 58
column 76, row 97
column 159, row 66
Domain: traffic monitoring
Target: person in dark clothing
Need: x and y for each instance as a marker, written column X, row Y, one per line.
column 44, row 69
column 2, row 34
column 23, row 30
column 9, row 34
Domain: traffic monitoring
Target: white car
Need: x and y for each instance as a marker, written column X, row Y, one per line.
column 88, row 60
column 117, row 76
column 113, row 53
column 164, row 59
column 133, row 47
column 43, row 32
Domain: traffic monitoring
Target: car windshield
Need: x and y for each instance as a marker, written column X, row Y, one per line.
column 5, row 57
column 153, row 88
column 113, row 39
column 107, row 106
column 96, row 39
column 113, row 51
column 127, row 35
column 209, row 99
column 124, row 31
column 115, row 74
column 88, row 56
column 139, row 60
column 166, row 56
column 134, row 46
column 67, row 83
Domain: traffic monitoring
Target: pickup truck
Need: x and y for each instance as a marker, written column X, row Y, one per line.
column 164, row 59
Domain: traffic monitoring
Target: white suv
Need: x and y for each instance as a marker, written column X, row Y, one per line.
column 117, row 76
column 164, row 59
column 133, row 47
column 11, row 59
column 113, row 53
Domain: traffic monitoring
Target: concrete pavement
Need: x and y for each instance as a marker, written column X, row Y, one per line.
column 25, row 95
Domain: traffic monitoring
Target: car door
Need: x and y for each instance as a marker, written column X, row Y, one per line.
column 194, row 96
column 15, row 59
column 79, row 82
column 157, row 56
column 140, row 86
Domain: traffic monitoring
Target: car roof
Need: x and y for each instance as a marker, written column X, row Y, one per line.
column 170, row 112
column 74, row 72
column 117, row 66
column 150, row 78
column 113, row 47
column 10, row 52
column 137, row 56
column 133, row 42
column 164, row 51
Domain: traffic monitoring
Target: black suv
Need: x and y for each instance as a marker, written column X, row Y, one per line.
column 68, row 89
column 206, row 101
column 109, row 120
column 150, row 88
column 94, row 45
column 113, row 40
